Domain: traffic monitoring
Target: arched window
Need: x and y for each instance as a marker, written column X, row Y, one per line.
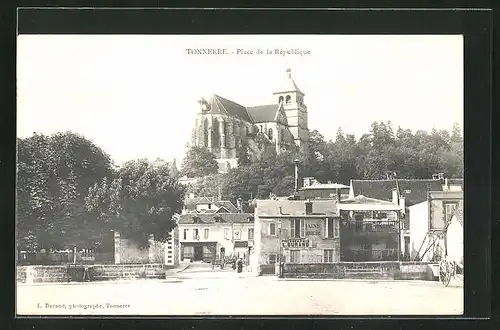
column 216, row 134
column 205, row 133
column 226, row 135
column 270, row 134
column 280, row 99
column 288, row 99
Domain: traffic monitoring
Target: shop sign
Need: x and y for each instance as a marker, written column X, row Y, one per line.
column 295, row 243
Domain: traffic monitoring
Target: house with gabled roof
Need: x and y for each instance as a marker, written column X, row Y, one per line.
column 207, row 236
column 208, row 205
column 224, row 126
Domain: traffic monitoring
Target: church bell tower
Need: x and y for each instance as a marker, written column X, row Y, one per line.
column 292, row 99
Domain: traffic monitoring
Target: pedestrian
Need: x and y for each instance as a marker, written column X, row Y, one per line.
column 240, row 265
column 234, row 263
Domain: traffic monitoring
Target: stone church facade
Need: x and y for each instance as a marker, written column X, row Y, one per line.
column 224, row 126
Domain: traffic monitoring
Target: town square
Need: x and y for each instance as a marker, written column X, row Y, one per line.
column 202, row 291
column 253, row 185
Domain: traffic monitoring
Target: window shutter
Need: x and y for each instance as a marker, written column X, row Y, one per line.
column 326, row 228
column 302, row 228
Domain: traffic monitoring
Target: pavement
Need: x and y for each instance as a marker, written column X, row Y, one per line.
column 197, row 289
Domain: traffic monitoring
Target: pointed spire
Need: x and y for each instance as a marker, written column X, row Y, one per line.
column 288, row 85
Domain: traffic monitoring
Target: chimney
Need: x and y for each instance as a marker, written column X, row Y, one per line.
column 307, row 181
column 434, row 176
column 441, row 176
column 446, row 185
column 329, row 182
column 395, row 196
column 402, row 203
column 309, row 207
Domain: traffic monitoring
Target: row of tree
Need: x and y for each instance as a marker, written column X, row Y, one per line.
column 69, row 194
column 411, row 155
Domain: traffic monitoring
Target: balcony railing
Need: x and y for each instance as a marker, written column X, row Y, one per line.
column 370, row 255
column 374, row 227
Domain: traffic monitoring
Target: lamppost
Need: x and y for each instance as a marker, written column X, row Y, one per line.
column 296, row 162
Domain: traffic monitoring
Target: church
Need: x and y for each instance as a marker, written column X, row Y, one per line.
column 223, row 126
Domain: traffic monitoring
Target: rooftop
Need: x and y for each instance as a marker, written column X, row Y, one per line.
column 295, row 208
column 206, row 218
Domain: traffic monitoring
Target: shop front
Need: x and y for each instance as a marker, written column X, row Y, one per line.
column 198, row 251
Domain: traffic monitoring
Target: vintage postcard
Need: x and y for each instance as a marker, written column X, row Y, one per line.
column 240, row 175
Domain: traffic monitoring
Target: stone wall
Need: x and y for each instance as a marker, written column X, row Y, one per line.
column 366, row 270
column 45, row 274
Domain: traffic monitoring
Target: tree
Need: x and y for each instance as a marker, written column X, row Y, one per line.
column 141, row 201
column 242, row 155
column 199, row 162
column 53, row 176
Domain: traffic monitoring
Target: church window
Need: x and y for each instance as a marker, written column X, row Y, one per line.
column 288, row 99
column 270, row 134
column 280, row 99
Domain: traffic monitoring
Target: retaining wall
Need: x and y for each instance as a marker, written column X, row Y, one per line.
column 360, row 270
column 68, row 273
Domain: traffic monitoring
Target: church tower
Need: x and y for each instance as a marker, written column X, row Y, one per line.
column 296, row 111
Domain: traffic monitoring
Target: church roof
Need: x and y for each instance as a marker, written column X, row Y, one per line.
column 288, row 84
column 263, row 113
column 222, row 105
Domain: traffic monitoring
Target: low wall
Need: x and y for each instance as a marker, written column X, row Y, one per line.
column 69, row 273
column 362, row 270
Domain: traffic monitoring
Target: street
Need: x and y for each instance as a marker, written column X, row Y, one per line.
column 199, row 290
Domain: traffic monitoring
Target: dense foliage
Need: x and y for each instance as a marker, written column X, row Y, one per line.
column 199, row 161
column 69, row 194
column 139, row 202
column 54, row 174
column 411, row 155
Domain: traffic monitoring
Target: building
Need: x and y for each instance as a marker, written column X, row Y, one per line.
column 428, row 221
column 224, row 126
column 208, row 236
column 312, row 189
column 208, row 205
column 295, row 232
column 414, row 190
column 370, row 229
column 454, row 237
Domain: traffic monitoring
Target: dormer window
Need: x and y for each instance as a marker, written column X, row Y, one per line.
column 209, row 206
column 288, row 99
column 280, row 99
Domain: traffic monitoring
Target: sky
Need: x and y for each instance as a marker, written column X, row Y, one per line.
column 135, row 96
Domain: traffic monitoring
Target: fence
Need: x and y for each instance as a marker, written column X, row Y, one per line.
column 370, row 254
